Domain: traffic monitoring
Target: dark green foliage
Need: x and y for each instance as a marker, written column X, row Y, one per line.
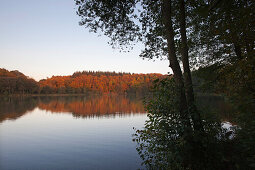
column 239, row 86
column 114, row 18
column 14, row 82
column 162, row 145
column 221, row 32
column 126, row 23
column 237, row 83
column 205, row 79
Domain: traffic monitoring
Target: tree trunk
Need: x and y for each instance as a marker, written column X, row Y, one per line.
column 238, row 51
column 187, row 74
column 174, row 64
column 249, row 49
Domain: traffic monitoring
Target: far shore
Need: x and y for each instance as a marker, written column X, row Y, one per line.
column 199, row 94
column 67, row 94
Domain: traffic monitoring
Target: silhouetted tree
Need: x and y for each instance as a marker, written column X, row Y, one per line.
column 152, row 22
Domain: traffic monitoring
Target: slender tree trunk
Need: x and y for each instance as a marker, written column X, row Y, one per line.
column 248, row 47
column 174, row 64
column 187, row 74
column 233, row 35
column 238, row 51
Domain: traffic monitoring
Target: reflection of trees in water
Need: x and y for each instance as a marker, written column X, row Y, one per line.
column 15, row 107
column 79, row 106
column 90, row 106
column 217, row 105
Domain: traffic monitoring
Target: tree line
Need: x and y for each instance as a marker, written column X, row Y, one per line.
column 15, row 82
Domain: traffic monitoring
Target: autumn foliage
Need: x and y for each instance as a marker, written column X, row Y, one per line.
column 82, row 82
column 12, row 82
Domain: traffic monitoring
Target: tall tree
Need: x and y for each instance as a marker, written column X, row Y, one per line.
column 152, row 22
column 174, row 64
column 186, row 68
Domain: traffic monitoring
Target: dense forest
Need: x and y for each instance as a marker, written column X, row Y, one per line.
column 15, row 82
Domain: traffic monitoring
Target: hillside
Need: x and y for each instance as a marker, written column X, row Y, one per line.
column 87, row 81
column 15, row 82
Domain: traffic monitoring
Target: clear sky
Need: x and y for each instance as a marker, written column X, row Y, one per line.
column 42, row 38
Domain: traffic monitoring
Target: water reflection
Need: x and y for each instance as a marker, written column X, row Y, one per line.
column 12, row 108
column 46, row 133
column 217, row 105
column 79, row 106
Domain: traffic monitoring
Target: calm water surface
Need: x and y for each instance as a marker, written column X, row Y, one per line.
column 82, row 132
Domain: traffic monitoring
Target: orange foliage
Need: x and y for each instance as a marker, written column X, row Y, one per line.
column 12, row 82
column 98, row 106
column 81, row 82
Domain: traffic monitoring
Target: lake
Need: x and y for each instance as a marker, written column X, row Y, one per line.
column 77, row 132
column 70, row 132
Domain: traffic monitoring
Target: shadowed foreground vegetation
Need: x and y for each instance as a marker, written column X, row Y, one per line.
column 162, row 145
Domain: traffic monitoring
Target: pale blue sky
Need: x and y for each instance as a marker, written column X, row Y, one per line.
column 42, row 38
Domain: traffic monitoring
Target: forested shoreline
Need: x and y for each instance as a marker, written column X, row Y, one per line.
column 15, row 82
